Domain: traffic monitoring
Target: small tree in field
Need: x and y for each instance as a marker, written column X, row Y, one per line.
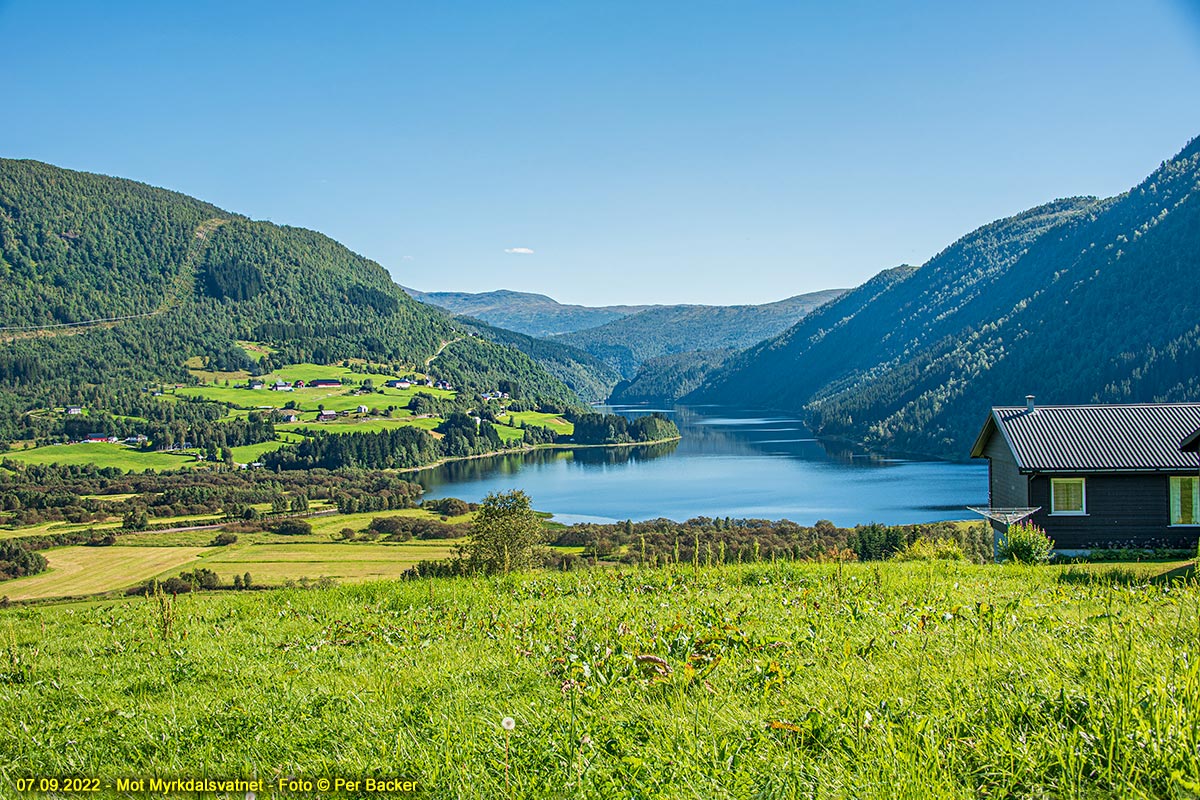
column 505, row 535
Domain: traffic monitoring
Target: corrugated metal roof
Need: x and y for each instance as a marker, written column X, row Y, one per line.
column 1141, row 437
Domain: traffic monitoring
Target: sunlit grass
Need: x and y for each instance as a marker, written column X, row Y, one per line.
column 766, row 680
column 104, row 454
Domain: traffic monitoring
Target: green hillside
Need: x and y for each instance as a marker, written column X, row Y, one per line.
column 111, row 283
column 627, row 342
column 584, row 374
column 1080, row 300
column 667, row 378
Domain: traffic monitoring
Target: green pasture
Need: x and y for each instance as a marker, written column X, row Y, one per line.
column 917, row 680
column 552, row 421
column 104, row 454
column 248, row 454
column 361, row 425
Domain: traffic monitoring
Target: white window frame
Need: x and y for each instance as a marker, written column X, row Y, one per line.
column 1171, row 484
column 1082, row 512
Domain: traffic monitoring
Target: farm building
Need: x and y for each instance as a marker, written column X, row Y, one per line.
column 398, row 384
column 326, row 416
column 1096, row 476
column 324, row 383
column 74, row 410
column 289, row 416
column 363, row 410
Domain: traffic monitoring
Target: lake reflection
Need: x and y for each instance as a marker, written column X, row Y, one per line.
column 729, row 463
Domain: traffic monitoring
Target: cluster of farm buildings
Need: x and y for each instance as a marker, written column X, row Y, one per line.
column 334, row 383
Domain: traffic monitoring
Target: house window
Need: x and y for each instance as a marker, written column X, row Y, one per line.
column 1185, row 501
column 1068, row 496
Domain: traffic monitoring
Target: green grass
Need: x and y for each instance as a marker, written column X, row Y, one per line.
column 103, row 454
column 306, row 399
column 333, row 523
column 356, row 425
column 58, row 527
column 348, row 562
column 80, row 570
column 862, row 681
column 553, row 421
column 248, row 454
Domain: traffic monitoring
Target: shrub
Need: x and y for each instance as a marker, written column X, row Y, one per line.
column 224, row 538
column 17, row 561
column 387, row 525
column 293, row 527
column 922, row 549
column 1025, row 543
column 201, row 578
column 448, row 506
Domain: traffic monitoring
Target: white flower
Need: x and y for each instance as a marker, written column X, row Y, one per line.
column 508, row 723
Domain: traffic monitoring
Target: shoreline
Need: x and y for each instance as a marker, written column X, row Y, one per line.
column 529, row 449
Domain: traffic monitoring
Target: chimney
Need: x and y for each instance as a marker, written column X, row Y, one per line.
column 1029, row 406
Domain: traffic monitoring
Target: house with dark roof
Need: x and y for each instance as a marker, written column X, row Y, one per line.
column 1096, row 476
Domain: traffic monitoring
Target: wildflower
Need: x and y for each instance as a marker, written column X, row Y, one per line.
column 508, row 723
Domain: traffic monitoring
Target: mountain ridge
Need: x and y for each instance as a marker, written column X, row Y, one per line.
column 525, row 312
column 78, row 246
column 911, row 360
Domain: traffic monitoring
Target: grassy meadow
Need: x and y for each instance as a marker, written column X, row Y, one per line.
column 924, row 680
column 272, row 559
column 106, row 454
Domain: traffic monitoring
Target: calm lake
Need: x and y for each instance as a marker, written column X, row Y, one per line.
column 731, row 463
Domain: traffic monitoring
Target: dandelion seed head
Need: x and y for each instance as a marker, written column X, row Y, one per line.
column 508, row 723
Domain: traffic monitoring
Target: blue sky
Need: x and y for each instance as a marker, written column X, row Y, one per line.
column 709, row 152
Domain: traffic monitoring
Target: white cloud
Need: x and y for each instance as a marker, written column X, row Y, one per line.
column 518, row 251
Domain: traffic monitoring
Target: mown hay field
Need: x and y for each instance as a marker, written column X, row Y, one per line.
column 763, row 680
column 105, row 454
column 78, row 571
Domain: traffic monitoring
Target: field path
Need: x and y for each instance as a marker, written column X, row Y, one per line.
column 429, row 360
column 80, row 570
column 171, row 300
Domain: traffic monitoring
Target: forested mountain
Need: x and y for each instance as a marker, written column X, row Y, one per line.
column 1080, row 300
column 627, row 342
column 584, row 374
column 77, row 247
column 530, row 314
column 665, row 379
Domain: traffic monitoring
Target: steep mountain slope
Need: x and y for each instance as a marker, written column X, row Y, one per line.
column 665, row 379
column 1080, row 300
column 530, row 314
column 627, row 342
column 584, row 374
column 189, row 280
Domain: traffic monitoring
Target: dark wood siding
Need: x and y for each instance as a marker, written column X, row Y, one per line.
column 1007, row 487
column 1122, row 511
